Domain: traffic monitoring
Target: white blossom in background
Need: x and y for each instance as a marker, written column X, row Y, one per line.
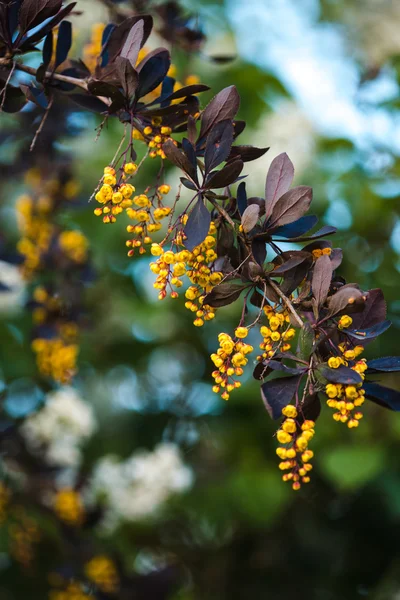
column 137, row 488
column 60, row 427
column 12, row 298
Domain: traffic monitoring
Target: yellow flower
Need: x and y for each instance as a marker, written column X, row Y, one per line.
column 130, row 168
column 345, row 321
column 241, row 332
column 290, row 411
column 334, row 362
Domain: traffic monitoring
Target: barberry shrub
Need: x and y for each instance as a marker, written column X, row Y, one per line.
column 225, row 245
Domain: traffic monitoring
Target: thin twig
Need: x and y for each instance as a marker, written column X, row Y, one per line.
column 4, row 90
column 42, row 123
column 48, row 74
column 222, row 212
column 287, row 302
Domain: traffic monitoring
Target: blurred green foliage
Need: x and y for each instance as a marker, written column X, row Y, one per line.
column 241, row 532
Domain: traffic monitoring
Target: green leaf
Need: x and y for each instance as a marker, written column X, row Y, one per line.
column 306, row 341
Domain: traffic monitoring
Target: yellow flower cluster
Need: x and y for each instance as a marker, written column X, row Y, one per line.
column 56, row 358
column 74, row 591
column 294, row 453
column 36, row 232
column 347, row 399
column 148, row 217
column 68, row 506
column 155, row 136
column 229, row 360
column 74, row 245
column 33, row 215
column 277, row 335
column 91, row 50
column 23, row 535
column 318, row 252
column 170, row 267
column 113, row 195
column 102, row 571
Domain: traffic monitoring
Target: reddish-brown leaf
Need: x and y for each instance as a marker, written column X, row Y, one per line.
column 291, row 206
column 250, row 217
column 223, row 106
column 322, row 277
column 279, row 180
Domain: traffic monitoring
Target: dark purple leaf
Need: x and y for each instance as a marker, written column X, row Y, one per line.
column 278, row 393
column 41, row 33
column 279, row 180
column 382, row 395
column 310, row 408
column 257, row 299
column 224, row 294
column 247, row 153
column 119, row 35
column 197, row 225
column 342, row 374
column 89, row 102
column 323, row 232
column 47, row 49
column 295, row 276
column 241, row 197
column 374, row 311
column 238, row 128
column 386, row 364
column 152, row 70
column 227, row 175
column 340, row 300
column 277, row 365
column 218, row 145
column 133, row 43
column 259, row 250
column 223, row 106
column 34, row 12
column 250, row 217
column 13, row 9
column 225, row 240
column 190, row 152
column 371, row 332
column 127, row 76
column 321, row 280
column 183, row 92
column 298, row 228
column 179, row 159
column 191, row 130
column 291, row 206
column 101, row 88
column 336, row 257
column 64, row 42
column 265, row 368
column 260, row 202
column 188, row 184
column 295, row 258
column 104, row 42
